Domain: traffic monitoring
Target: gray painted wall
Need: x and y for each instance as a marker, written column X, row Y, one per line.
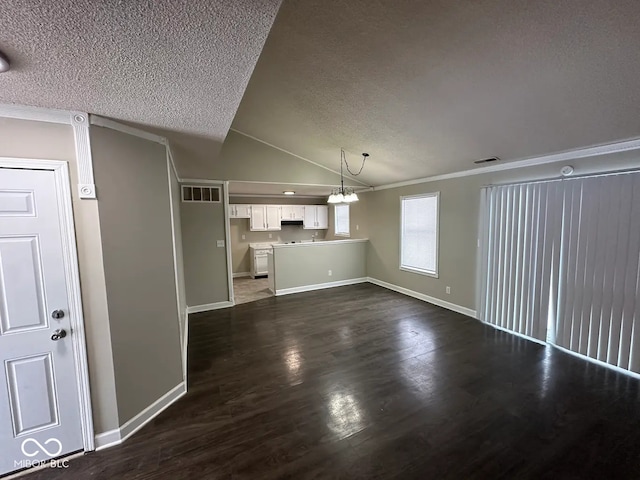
column 241, row 159
column 133, row 199
column 308, row 264
column 205, row 265
column 459, row 215
column 357, row 221
column 43, row 140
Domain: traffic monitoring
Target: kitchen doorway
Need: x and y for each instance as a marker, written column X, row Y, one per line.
column 247, row 289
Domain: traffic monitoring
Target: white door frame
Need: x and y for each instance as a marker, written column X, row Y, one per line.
column 72, row 276
column 227, row 233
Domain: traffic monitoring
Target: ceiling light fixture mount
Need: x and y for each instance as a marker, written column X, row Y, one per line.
column 289, row 192
column 5, row 65
column 346, row 194
column 487, row 160
column 566, row 171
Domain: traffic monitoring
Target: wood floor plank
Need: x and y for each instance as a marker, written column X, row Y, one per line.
column 361, row 382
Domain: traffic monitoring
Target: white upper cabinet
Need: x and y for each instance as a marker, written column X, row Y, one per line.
column 258, row 218
column 274, row 214
column 265, row 217
column 292, row 212
column 316, row 217
column 239, row 211
column 269, row 217
column 323, row 216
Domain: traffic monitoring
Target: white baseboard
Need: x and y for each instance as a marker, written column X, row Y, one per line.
column 140, row 420
column 320, row 286
column 185, row 350
column 108, row 439
column 424, row 298
column 241, row 274
column 209, row 306
column 119, row 435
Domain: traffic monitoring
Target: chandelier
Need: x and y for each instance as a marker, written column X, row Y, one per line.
column 346, row 194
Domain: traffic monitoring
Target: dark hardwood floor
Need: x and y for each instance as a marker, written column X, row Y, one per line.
column 361, row 382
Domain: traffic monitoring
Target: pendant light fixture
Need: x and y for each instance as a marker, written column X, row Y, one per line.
column 346, row 194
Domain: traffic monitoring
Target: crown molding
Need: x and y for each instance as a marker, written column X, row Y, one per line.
column 205, row 181
column 99, row 121
column 297, row 156
column 359, row 189
column 273, row 195
column 575, row 154
column 25, row 112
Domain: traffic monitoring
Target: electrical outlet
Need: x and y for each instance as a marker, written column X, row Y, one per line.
column 357, row 227
column 271, row 235
column 330, row 273
column 244, row 237
column 448, row 290
column 220, row 243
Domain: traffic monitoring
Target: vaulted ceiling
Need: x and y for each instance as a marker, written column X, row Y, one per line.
column 425, row 86
column 428, row 86
column 181, row 66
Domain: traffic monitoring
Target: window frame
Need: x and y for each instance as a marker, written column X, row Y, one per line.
column 335, row 220
column 420, row 271
column 211, row 188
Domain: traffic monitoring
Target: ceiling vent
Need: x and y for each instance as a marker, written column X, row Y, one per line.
column 487, row 160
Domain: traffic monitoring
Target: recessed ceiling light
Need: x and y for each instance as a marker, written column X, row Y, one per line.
column 4, row 63
column 289, row 192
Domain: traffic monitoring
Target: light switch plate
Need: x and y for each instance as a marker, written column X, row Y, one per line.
column 220, row 243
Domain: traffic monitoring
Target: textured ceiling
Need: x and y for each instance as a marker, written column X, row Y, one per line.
column 426, row 87
column 177, row 65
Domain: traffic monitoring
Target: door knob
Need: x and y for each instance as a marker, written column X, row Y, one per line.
column 58, row 334
column 57, row 314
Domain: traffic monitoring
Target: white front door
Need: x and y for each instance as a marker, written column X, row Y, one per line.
column 39, row 405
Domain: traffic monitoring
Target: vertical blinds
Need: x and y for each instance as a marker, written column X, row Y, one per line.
column 598, row 312
column 561, row 262
column 519, row 248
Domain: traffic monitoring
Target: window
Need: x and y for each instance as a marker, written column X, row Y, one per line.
column 419, row 233
column 342, row 220
column 193, row 193
column 560, row 263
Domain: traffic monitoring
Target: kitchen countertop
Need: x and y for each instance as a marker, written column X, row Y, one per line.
column 320, row 242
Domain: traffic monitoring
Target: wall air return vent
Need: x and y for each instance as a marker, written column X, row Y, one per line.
column 487, row 160
column 198, row 194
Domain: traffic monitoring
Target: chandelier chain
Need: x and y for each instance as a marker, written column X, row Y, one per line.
column 344, row 157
